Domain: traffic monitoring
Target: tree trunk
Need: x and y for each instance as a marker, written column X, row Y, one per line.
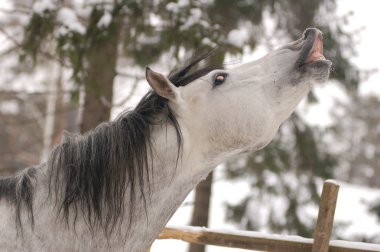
column 101, row 59
column 201, row 209
column 61, row 121
column 51, row 102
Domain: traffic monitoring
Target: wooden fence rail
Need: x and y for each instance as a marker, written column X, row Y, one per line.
column 258, row 241
column 277, row 243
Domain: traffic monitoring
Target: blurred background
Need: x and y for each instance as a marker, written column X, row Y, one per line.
column 71, row 64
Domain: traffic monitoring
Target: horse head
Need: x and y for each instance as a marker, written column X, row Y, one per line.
column 239, row 109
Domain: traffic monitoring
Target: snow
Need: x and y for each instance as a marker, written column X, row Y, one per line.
column 205, row 2
column 327, row 95
column 194, row 18
column 208, row 42
column 332, row 181
column 355, row 245
column 105, row 20
column 22, row 82
column 183, row 3
column 69, row 19
column 84, row 9
column 41, row 6
column 155, row 20
column 150, row 40
column 352, row 210
column 175, row 6
column 259, row 216
column 10, row 107
column 238, row 37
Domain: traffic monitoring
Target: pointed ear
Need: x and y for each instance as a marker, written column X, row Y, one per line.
column 160, row 84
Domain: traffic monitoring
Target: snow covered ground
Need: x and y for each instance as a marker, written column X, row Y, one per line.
column 352, row 209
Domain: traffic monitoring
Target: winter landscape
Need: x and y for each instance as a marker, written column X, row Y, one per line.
column 70, row 65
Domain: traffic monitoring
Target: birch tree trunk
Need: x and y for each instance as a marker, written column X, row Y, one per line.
column 51, row 101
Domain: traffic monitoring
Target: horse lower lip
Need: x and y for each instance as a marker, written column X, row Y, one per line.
column 315, row 56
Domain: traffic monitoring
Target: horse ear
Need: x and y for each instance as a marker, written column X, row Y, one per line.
column 160, row 84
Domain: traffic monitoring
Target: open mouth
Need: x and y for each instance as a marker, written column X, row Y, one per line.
column 316, row 52
column 312, row 50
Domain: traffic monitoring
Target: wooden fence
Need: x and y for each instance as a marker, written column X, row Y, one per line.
column 277, row 243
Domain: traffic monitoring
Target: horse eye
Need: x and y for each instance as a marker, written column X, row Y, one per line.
column 219, row 78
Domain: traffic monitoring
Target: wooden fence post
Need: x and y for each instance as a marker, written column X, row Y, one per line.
column 323, row 229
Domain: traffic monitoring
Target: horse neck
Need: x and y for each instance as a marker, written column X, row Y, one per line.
column 172, row 181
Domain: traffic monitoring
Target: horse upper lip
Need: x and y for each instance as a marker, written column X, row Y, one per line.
column 312, row 49
column 316, row 52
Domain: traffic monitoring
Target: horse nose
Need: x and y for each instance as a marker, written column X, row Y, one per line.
column 311, row 31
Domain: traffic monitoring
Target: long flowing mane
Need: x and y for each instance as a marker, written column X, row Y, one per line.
column 92, row 174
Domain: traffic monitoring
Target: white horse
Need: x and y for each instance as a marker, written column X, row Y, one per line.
column 115, row 188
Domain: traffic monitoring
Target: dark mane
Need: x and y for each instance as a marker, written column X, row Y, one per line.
column 19, row 189
column 92, row 174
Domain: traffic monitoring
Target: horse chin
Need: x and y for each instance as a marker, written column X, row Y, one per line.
column 318, row 70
